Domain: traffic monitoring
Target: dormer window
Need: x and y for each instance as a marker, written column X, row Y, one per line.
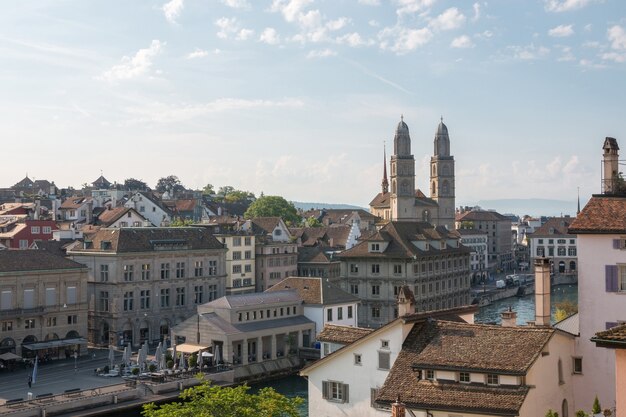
column 375, row 247
column 277, row 232
column 493, row 379
column 464, row 377
column 430, row 375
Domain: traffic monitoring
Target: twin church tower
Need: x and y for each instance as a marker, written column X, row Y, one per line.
column 403, row 202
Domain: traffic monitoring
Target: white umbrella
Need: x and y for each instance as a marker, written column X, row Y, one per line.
column 111, row 356
column 174, row 351
column 157, row 355
column 181, row 363
column 200, row 355
column 127, row 354
column 217, row 358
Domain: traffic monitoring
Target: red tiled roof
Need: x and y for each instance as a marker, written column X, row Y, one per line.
column 342, row 334
column 554, row 226
column 602, row 214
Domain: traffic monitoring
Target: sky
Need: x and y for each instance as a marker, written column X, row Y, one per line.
column 298, row 97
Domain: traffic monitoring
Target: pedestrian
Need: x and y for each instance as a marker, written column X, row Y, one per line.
column 30, row 381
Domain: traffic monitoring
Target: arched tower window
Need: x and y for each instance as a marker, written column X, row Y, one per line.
column 434, row 189
column 434, row 170
column 393, row 186
column 564, row 409
column 404, row 188
column 560, row 370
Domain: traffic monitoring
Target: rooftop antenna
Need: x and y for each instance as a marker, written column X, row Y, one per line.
column 578, row 211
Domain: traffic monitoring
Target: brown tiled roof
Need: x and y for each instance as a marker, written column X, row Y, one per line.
column 555, row 226
column 613, row 337
column 314, row 290
column 144, row 239
column 602, row 214
column 34, row 260
column 382, row 200
column 434, row 344
column 266, row 224
column 109, row 216
column 400, row 235
column 74, row 202
column 334, row 216
column 342, row 334
column 185, row 205
column 480, row 215
column 315, row 254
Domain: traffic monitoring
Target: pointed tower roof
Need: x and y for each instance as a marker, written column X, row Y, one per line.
column 442, row 129
column 402, row 127
column 385, row 183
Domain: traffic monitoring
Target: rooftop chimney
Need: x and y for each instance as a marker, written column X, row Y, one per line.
column 610, row 166
column 509, row 318
column 542, row 292
column 398, row 409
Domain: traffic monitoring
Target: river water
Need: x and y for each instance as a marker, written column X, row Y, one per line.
column 525, row 306
column 296, row 386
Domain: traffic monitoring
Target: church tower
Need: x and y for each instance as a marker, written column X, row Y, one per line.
column 402, row 176
column 442, row 178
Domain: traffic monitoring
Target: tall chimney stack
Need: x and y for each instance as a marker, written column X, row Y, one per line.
column 398, row 409
column 542, row 292
column 509, row 318
column 610, row 166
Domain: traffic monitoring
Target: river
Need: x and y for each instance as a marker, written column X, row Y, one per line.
column 525, row 306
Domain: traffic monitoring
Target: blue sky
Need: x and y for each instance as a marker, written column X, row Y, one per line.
column 295, row 97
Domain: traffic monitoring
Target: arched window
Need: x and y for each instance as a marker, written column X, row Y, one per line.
column 564, row 409
column 434, row 189
column 561, row 267
column 393, row 186
column 560, row 370
column 426, row 216
column 572, row 266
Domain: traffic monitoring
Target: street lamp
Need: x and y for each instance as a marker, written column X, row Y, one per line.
column 75, row 361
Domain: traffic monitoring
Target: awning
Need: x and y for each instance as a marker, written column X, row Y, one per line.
column 9, row 356
column 49, row 344
column 189, row 348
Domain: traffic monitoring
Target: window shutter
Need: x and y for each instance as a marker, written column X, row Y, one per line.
column 610, row 278
column 616, row 244
column 29, row 298
column 325, row 388
column 6, row 302
column 51, row 295
column 383, row 360
column 71, row 295
column 346, row 397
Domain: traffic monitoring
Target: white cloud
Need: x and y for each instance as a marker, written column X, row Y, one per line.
column 561, row 31
column 614, row 56
column 310, row 19
column 172, row 10
column 244, row 34
column 351, row 39
column 321, row 53
column 565, row 5
column 588, row 27
column 370, row 2
column 227, row 26
column 132, row 67
column 484, row 35
column 462, row 42
column 290, row 9
column 476, row 8
column 529, row 52
column 337, row 23
column 448, row 20
column 237, row 4
column 168, row 113
column 269, row 36
column 373, row 23
column 197, row 53
column 413, row 6
column 402, row 40
column 587, row 63
column 617, row 36
column 566, row 54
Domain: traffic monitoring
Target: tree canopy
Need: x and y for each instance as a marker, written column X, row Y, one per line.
column 232, row 195
column 273, row 206
column 206, row 400
column 169, row 183
column 133, row 184
column 208, row 189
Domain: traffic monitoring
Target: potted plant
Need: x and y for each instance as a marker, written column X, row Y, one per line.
column 596, row 409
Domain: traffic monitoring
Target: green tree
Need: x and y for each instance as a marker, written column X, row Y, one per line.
column 133, row 184
column 551, row 413
column 177, row 222
column 596, row 409
column 208, row 189
column 238, row 195
column 312, row 222
column 206, row 400
column 564, row 309
column 273, row 206
column 225, row 190
column 169, row 183
column 581, row 413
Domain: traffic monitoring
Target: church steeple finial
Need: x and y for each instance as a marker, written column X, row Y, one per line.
column 385, row 183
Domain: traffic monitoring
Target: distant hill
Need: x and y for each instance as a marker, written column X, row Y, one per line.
column 310, row 206
column 531, row 206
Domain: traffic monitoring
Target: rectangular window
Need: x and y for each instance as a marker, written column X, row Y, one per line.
column 578, row 365
column 464, row 377
column 329, row 315
column 397, row 269
column 51, row 321
column 375, row 289
column 236, row 241
column 29, row 323
column 7, row 326
column 375, row 247
column 384, row 360
column 104, row 301
column 248, row 268
column 144, row 299
column 375, row 268
column 493, row 379
column 236, row 255
column 541, row 251
column 335, row 391
column 430, row 375
column 128, row 301
column 165, row 270
column 197, row 269
column 72, row 319
column 145, row 272
column 212, row 268
column 247, row 241
column 128, row 273
column 354, row 268
column 375, row 312
column 571, row 251
column 51, row 296
column 180, row 270
column 34, row 230
column 104, row 273
column 46, row 230
column 248, row 254
column 340, row 313
column 349, row 312
column 560, row 251
column 357, row 359
column 180, row 296
column 354, row 289
column 236, row 269
column 212, row 292
column 165, row 297
column 198, row 293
